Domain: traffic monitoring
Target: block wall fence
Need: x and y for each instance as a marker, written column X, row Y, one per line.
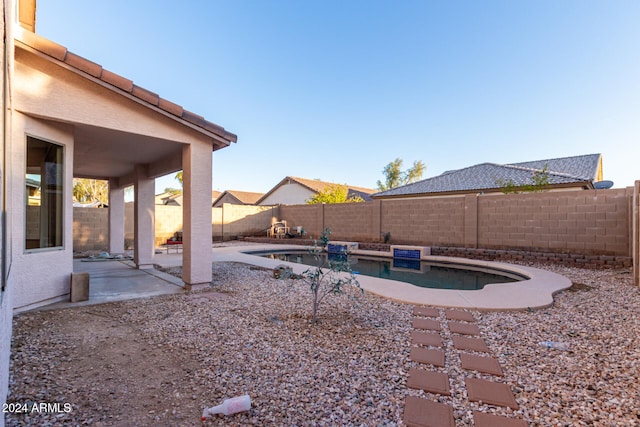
column 91, row 225
column 602, row 223
column 597, row 222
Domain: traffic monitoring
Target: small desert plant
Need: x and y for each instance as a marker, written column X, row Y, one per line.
column 331, row 275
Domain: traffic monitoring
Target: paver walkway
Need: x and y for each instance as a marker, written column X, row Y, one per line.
column 430, row 351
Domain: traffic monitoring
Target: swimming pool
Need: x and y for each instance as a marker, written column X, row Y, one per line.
column 434, row 275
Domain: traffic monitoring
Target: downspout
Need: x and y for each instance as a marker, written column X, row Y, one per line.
column 6, row 134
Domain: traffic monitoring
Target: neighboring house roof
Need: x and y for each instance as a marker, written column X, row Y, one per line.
column 317, row 186
column 242, row 197
column 175, row 199
column 121, row 84
column 562, row 172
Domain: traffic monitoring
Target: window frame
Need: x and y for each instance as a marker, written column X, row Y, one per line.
column 64, row 191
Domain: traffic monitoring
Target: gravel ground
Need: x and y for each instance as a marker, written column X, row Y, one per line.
column 160, row 361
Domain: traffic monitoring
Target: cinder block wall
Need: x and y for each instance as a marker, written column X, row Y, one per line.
column 582, row 221
column 309, row 217
column 90, row 229
column 349, row 219
column 433, row 221
column 230, row 221
column 91, row 225
column 589, row 221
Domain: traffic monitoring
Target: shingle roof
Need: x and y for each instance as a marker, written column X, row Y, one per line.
column 491, row 176
column 119, row 83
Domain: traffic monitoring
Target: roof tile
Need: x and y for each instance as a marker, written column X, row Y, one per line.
column 44, row 45
column 193, row 118
column 61, row 53
column 117, row 80
column 83, row 64
column 170, row 107
column 145, row 95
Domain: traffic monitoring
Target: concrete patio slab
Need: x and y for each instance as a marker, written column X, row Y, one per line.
column 114, row 280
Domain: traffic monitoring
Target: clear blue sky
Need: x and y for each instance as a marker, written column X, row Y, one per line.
column 335, row 90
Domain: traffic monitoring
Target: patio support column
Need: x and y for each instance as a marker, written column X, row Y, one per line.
column 116, row 218
column 144, row 218
column 635, row 233
column 196, row 213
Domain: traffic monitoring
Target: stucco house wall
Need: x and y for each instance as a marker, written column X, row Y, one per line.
column 288, row 194
column 39, row 276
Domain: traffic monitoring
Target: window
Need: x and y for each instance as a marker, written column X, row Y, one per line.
column 45, row 195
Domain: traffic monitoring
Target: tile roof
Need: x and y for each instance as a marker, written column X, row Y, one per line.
column 489, row 176
column 317, row 186
column 246, row 197
column 119, row 83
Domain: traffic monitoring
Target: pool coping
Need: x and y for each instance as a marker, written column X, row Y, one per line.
column 536, row 292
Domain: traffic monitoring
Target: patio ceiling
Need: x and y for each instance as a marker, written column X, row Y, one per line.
column 102, row 153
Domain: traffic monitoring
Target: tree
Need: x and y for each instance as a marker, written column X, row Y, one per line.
column 171, row 190
column 330, row 276
column 539, row 182
column 178, row 177
column 395, row 177
column 90, row 190
column 334, row 194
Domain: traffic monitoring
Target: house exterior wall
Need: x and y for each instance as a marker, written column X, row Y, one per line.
column 42, row 276
column 227, row 198
column 6, row 303
column 288, row 194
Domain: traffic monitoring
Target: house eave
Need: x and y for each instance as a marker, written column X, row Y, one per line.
column 58, row 55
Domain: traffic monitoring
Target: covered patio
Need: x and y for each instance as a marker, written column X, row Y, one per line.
column 89, row 122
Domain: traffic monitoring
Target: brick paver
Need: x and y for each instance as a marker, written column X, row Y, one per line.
column 426, row 338
column 490, row 392
column 464, row 328
column 481, row 419
column 420, row 323
column 425, row 311
column 469, row 343
column 488, row 365
column 427, row 356
column 433, row 382
column 459, row 315
column 420, row 412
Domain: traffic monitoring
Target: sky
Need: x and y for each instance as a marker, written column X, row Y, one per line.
column 335, row 90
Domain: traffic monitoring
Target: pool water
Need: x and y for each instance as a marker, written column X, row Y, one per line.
column 436, row 275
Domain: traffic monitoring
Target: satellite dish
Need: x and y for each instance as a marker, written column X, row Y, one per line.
column 602, row 185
